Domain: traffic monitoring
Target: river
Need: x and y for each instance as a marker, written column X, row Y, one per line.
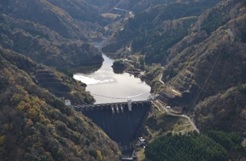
column 106, row 86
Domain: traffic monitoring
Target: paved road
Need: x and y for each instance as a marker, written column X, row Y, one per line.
column 160, row 78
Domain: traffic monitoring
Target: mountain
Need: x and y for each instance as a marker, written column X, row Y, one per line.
column 57, row 83
column 201, row 48
column 104, row 6
column 59, row 17
column 194, row 56
column 47, row 33
column 36, row 38
column 35, row 123
column 156, row 29
column 80, row 10
column 209, row 63
column 192, row 51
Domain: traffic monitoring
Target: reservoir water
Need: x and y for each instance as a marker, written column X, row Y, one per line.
column 107, row 86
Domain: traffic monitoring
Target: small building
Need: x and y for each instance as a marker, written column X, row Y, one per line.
column 168, row 107
column 141, row 142
column 67, row 102
column 153, row 97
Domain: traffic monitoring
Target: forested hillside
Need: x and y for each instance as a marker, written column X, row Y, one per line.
column 210, row 63
column 59, row 17
column 36, row 125
column 194, row 56
column 51, row 33
column 191, row 52
column 212, row 146
column 158, row 27
column 201, row 45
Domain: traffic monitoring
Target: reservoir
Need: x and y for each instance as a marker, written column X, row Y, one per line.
column 106, row 86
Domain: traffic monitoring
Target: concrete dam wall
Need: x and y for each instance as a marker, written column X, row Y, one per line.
column 121, row 121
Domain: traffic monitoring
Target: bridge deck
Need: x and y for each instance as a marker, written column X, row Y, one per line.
column 101, row 105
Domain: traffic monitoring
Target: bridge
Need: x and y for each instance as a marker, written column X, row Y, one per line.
column 122, row 121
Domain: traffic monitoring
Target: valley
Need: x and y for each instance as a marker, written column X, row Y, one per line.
column 109, row 60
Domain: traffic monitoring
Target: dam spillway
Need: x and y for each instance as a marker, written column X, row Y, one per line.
column 121, row 121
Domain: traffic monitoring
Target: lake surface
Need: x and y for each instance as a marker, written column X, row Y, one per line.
column 107, row 86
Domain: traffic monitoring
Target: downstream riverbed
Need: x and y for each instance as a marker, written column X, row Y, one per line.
column 107, row 86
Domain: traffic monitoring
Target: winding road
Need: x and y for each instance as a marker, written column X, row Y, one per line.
column 163, row 108
column 171, row 88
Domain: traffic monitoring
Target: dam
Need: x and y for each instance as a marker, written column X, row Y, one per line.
column 122, row 121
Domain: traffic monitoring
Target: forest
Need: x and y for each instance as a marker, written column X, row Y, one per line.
column 210, row 146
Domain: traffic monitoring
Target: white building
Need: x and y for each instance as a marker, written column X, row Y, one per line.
column 67, row 102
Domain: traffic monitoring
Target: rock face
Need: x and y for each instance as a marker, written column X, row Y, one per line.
column 36, row 125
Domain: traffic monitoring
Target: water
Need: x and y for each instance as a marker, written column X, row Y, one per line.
column 107, row 86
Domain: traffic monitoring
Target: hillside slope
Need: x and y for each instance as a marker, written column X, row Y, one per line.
column 155, row 29
column 210, row 61
column 55, row 16
column 201, row 47
column 36, row 125
column 47, row 33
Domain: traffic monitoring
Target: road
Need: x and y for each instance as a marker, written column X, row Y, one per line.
column 160, row 78
column 163, row 109
column 174, row 91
